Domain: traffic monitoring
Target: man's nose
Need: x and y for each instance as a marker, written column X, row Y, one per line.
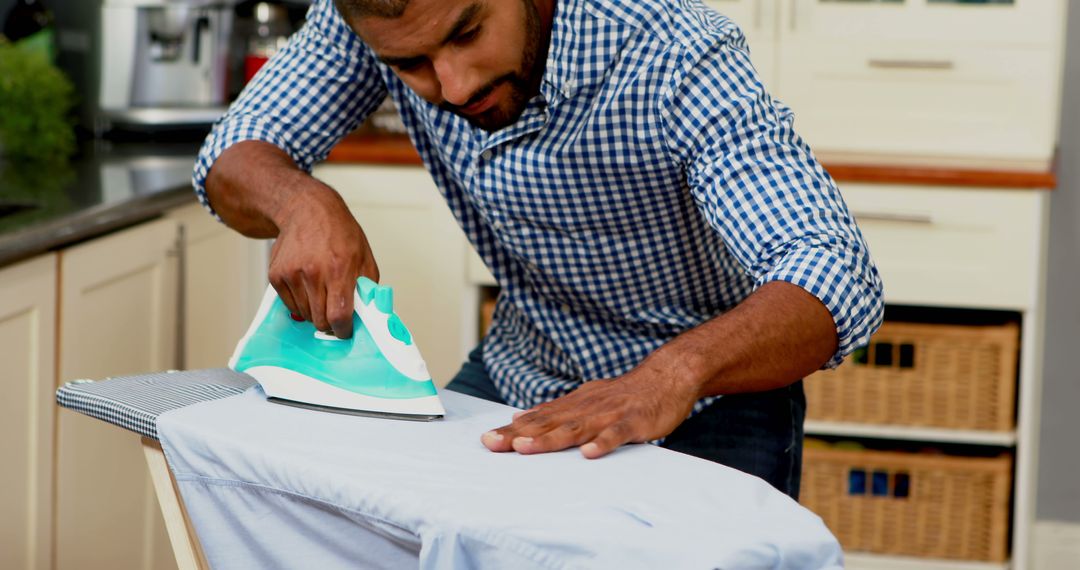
column 455, row 80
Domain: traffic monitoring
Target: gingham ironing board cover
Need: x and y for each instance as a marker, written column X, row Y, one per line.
column 135, row 402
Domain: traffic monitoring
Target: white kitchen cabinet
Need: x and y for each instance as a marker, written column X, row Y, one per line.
column 961, row 82
column 118, row 307
column 757, row 19
column 1012, row 22
column 222, row 280
column 421, row 252
column 28, row 351
column 954, row 247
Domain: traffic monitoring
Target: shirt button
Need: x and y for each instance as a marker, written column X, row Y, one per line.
column 486, row 155
column 565, row 308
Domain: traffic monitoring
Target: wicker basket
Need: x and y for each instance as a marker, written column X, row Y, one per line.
column 934, row 375
column 955, row 507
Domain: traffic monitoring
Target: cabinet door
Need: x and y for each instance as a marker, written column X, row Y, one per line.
column 1000, row 22
column 223, row 280
column 757, row 19
column 28, row 351
column 421, row 252
column 972, row 81
column 118, row 307
column 951, row 247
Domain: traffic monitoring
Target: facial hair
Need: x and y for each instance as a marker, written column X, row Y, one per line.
column 524, row 83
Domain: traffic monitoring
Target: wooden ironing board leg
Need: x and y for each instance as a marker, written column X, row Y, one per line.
column 185, row 543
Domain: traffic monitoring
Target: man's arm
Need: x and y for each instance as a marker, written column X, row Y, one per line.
column 774, row 337
column 253, row 169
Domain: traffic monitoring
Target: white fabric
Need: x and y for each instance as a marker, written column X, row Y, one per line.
column 271, row 486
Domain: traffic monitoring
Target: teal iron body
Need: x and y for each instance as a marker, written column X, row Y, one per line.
column 379, row 371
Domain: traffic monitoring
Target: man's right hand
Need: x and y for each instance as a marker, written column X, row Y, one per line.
column 319, row 253
column 320, row 250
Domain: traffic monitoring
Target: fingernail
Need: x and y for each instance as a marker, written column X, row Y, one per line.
column 296, row 317
column 519, row 441
column 590, row 448
column 493, row 436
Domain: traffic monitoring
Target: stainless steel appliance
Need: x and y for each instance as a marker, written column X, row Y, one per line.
column 147, row 64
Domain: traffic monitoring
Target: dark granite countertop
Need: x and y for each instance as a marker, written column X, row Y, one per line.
column 105, row 187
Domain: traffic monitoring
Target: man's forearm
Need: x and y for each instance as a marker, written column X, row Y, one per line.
column 252, row 183
column 774, row 337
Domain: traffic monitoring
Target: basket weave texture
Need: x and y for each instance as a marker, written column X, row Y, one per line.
column 931, row 375
column 954, row 508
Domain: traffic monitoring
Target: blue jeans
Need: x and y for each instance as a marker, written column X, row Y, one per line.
column 759, row 433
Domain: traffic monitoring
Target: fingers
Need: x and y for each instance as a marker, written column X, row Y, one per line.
column 535, row 431
column 339, row 307
column 321, row 295
column 610, row 438
column 599, row 416
column 569, row 433
column 316, row 298
column 297, row 306
column 316, row 260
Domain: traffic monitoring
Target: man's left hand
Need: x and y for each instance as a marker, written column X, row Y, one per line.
column 645, row 404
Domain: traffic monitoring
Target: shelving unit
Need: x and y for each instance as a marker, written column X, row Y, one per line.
column 966, row 248
column 859, row 561
column 904, row 433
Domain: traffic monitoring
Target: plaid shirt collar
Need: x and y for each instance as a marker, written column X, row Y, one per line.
column 561, row 75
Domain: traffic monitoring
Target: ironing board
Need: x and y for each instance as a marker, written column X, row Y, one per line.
column 276, row 486
column 134, row 403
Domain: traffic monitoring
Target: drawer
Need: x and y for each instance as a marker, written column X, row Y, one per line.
column 977, row 248
column 924, row 99
column 1016, row 22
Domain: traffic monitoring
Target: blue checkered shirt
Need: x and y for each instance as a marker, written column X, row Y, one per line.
column 652, row 185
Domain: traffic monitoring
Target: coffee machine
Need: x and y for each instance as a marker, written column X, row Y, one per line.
column 147, row 65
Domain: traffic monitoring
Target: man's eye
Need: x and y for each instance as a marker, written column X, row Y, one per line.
column 466, row 37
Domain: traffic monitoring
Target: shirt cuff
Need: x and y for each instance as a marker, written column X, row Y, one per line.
column 849, row 287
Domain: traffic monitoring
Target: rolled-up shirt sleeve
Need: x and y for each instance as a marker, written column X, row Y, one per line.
column 759, row 186
column 311, row 93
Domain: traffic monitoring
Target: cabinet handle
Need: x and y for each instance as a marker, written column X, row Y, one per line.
column 179, row 251
column 915, row 64
column 919, row 219
column 793, row 16
column 757, row 14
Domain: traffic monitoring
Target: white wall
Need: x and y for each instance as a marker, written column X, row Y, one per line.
column 1059, row 445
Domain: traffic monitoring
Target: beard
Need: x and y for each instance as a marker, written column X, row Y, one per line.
column 523, row 83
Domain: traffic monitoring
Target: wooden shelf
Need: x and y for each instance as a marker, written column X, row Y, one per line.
column 865, row 561
column 975, row 437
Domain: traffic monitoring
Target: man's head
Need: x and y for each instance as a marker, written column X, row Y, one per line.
column 481, row 59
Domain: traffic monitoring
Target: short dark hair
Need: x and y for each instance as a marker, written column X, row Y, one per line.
column 350, row 9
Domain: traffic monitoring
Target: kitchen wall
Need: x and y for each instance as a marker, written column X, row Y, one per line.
column 1059, row 446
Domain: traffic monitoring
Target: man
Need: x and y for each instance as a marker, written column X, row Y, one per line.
column 672, row 258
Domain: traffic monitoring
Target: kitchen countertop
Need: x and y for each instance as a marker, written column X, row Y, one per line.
column 106, row 186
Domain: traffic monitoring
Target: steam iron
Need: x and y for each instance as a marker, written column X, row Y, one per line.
column 378, row 372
